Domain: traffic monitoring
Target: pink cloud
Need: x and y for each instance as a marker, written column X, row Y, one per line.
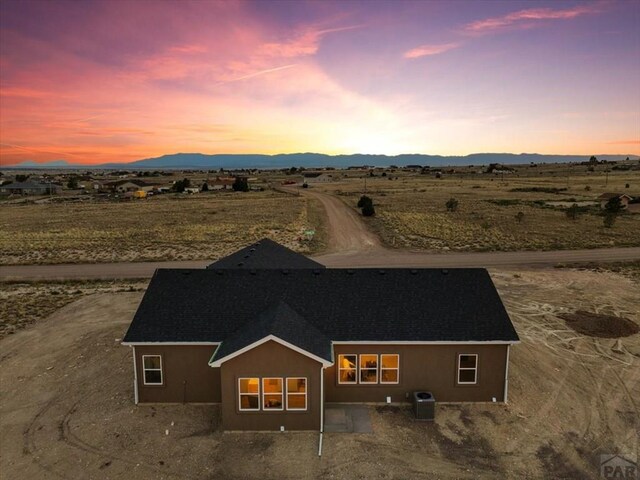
column 427, row 50
column 524, row 18
column 303, row 44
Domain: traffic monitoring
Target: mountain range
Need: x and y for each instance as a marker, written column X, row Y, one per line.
column 310, row 160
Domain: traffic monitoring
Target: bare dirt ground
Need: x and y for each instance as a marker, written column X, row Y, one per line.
column 66, row 403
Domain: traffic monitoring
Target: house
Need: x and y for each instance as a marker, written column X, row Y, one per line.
column 624, row 199
column 317, row 177
column 221, row 183
column 30, row 188
column 122, row 186
column 272, row 338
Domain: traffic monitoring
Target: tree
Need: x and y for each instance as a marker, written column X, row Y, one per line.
column 205, row 187
column 519, row 217
column 572, row 212
column 21, row 178
column 305, row 185
column 368, row 210
column 72, row 183
column 240, row 184
column 614, row 206
column 593, row 159
column 180, row 185
column 452, row 204
column 364, row 200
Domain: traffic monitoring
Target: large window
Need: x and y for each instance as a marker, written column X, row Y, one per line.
column 369, row 368
column 152, row 366
column 389, row 368
column 272, row 394
column 296, row 393
column 468, row 369
column 249, row 389
column 347, row 369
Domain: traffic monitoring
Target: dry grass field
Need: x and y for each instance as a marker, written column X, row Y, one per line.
column 66, row 406
column 411, row 212
column 167, row 227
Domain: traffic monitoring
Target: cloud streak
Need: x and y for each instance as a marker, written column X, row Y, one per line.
column 428, row 50
column 527, row 18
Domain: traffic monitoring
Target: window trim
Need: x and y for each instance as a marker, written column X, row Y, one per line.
column 240, row 394
column 397, row 369
column 144, row 372
column 475, row 369
column 306, row 389
column 340, row 369
column 264, row 393
column 377, row 369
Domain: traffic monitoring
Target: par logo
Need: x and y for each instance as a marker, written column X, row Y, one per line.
column 619, row 467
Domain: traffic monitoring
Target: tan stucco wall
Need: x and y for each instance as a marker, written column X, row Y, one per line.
column 425, row 367
column 187, row 376
column 270, row 359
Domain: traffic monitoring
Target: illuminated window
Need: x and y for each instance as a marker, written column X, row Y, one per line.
column 468, row 369
column 152, row 366
column 347, row 372
column 368, row 368
column 272, row 394
column 296, row 393
column 249, row 389
column 389, row 368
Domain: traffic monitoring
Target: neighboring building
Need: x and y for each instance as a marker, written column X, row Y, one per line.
column 122, row 186
column 30, row 188
column 624, row 199
column 221, row 183
column 192, row 190
column 277, row 338
column 317, row 177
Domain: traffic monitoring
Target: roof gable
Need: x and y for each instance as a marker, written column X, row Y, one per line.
column 265, row 254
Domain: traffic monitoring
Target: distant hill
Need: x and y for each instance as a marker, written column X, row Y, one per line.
column 310, row 160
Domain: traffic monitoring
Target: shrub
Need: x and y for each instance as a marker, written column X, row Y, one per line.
column 72, row 184
column 587, row 188
column 180, row 185
column 519, row 217
column 364, row 200
column 452, row 204
column 572, row 212
column 205, row 187
column 614, row 205
column 609, row 219
column 305, row 185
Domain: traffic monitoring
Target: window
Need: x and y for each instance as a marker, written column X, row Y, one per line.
column 296, row 393
column 347, row 368
column 389, row 368
column 249, row 389
column 272, row 394
column 152, row 366
column 467, row 369
column 368, row 368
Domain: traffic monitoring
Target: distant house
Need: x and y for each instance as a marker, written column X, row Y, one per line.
column 624, row 199
column 192, row 190
column 220, row 183
column 122, row 186
column 272, row 336
column 30, row 188
column 317, row 177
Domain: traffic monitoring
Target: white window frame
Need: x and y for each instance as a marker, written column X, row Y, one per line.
column 377, row 369
column 145, row 370
column 397, row 369
column 475, row 369
column 340, row 369
column 264, row 393
column 240, row 395
column 306, row 388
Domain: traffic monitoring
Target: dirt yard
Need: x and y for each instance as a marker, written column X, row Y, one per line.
column 66, row 403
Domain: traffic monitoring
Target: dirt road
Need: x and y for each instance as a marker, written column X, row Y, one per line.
column 351, row 244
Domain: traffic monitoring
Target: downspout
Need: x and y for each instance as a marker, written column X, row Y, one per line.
column 135, row 377
column 506, row 376
column 321, row 409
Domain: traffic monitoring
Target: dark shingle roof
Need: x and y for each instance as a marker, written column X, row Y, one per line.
column 345, row 305
column 265, row 254
column 283, row 322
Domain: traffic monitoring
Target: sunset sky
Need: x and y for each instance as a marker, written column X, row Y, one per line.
column 95, row 82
